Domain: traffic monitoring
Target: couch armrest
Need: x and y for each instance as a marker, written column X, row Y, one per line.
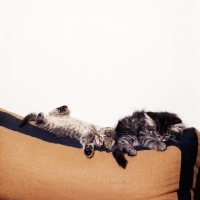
column 197, row 189
column 37, row 165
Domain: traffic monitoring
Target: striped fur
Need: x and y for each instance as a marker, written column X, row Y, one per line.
column 149, row 129
column 59, row 123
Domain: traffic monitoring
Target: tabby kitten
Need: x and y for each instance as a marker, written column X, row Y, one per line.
column 149, row 129
column 61, row 124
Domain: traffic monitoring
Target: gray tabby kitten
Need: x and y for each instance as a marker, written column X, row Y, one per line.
column 61, row 124
column 149, row 129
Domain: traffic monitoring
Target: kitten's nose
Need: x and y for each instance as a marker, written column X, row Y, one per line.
column 162, row 137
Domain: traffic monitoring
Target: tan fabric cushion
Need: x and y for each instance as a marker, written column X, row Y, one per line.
column 31, row 168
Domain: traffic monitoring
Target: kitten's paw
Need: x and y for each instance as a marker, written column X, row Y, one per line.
column 62, row 109
column 132, row 152
column 160, row 146
column 40, row 116
column 89, row 150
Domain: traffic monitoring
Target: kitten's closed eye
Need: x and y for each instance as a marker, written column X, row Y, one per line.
column 157, row 134
column 160, row 137
column 167, row 135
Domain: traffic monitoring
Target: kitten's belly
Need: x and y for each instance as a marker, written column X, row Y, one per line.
column 68, row 127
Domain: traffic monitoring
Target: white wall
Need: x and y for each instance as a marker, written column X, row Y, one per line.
column 104, row 59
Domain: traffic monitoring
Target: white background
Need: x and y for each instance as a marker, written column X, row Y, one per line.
column 104, row 59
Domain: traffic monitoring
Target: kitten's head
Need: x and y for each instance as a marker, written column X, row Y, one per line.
column 164, row 126
column 108, row 134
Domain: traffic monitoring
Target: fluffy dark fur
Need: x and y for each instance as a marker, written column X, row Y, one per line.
column 149, row 129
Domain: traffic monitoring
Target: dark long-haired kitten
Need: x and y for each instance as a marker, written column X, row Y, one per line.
column 149, row 129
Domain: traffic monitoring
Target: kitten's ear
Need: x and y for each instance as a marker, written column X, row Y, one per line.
column 177, row 127
column 148, row 119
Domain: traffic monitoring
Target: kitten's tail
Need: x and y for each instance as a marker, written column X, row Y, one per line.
column 119, row 157
column 28, row 118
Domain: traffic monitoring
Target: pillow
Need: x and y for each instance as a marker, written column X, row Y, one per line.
column 35, row 164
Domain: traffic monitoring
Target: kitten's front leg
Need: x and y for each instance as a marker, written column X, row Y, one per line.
column 152, row 143
column 126, row 145
column 160, row 146
column 87, row 141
